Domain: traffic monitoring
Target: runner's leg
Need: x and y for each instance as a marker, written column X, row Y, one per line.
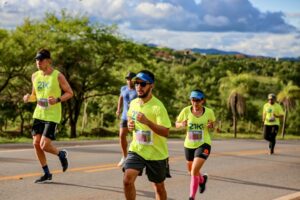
column 195, row 175
column 128, row 182
column 160, row 191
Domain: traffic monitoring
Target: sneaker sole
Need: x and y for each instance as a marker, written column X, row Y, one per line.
column 66, row 158
column 205, row 181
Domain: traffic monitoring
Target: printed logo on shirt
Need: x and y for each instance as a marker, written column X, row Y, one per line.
column 42, row 85
column 195, row 126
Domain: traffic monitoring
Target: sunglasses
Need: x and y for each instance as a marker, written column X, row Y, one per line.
column 142, row 84
column 196, row 100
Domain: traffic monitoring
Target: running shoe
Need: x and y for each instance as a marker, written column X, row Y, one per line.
column 122, row 161
column 44, row 178
column 191, row 198
column 63, row 159
column 202, row 185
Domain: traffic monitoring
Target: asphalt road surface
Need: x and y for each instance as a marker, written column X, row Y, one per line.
column 237, row 169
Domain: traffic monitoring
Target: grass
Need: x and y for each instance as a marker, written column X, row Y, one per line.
column 173, row 134
column 4, row 140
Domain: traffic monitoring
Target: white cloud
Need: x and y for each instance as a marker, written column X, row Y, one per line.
column 157, row 11
column 264, row 44
column 229, row 25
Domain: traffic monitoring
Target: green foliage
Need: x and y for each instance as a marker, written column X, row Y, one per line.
column 95, row 59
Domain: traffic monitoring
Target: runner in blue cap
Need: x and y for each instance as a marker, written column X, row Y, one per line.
column 149, row 122
column 127, row 94
column 197, row 145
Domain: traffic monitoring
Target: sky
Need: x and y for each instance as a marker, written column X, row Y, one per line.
column 254, row 27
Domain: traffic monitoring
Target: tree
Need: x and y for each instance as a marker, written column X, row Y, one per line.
column 87, row 54
column 288, row 97
column 234, row 88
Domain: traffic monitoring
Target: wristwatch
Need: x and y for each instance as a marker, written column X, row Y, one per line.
column 58, row 100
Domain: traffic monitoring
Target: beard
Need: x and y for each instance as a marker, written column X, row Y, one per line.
column 146, row 93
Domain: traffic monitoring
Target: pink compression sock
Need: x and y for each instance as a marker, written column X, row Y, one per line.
column 194, row 185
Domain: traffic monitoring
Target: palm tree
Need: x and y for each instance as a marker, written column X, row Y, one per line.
column 234, row 88
column 237, row 104
column 288, row 96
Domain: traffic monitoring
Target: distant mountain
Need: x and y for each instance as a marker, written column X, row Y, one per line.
column 215, row 52
column 220, row 52
column 290, row 59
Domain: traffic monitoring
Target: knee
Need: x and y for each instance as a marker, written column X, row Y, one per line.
column 266, row 137
column 123, row 134
column 44, row 146
column 127, row 181
column 36, row 144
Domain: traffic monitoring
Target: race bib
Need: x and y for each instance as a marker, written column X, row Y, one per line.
column 144, row 137
column 43, row 103
column 195, row 136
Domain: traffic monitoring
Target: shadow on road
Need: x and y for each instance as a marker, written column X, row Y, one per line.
column 140, row 193
column 237, row 181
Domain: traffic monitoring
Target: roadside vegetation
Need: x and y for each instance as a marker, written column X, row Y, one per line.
column 95, row 59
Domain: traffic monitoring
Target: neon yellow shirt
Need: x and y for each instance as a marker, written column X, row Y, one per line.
column 46, row 86
column 145, row 142
column 197, row 132
column 269, row 110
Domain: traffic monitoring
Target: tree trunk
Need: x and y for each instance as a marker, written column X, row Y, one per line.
column 74, row 106
column 73, row 129
column 22, row 125
column 84, row 118
column 234, row 125
column 284, row 122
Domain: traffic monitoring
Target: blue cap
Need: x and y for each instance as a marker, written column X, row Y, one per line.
column 197, row 95
column 144, row 77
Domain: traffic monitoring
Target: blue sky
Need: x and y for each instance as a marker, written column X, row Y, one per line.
column 256, row 27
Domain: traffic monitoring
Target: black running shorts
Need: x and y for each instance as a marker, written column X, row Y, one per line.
column 123, row 123
column 156, row 170
column 202, row 151
column 44, row 128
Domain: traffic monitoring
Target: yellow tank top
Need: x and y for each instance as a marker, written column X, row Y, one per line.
column 145, row 142
column 46, row 86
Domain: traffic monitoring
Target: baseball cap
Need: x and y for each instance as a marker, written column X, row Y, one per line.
column 42, row 54
column 197, row 95
column 144, row 77
column 130, row 75
column 271, row 96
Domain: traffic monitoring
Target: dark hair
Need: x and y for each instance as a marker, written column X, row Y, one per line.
column 148, row 73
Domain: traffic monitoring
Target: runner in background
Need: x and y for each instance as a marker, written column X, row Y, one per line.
column 272, row 112
column 48, row 85
column 197, row 144
column 127, row 94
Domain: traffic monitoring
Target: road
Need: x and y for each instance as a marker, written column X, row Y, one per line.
column 238, row 169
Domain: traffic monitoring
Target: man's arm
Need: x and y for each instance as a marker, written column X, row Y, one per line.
column 119, row 107
column 280, row 114
column 181, row 124
column 30, row 97
column 66, row 88
column 158, row 129
column 263, row 115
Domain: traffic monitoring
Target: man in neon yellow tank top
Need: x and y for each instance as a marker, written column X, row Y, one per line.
column 48, row 85
column 150, row 123
column 272, row 112
column 197, row 119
